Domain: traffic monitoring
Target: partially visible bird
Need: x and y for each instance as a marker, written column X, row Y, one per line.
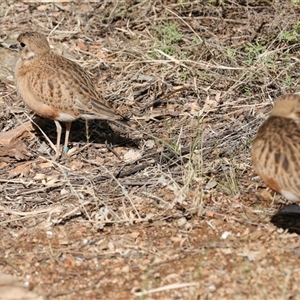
column 275, row 150
column 57, row 88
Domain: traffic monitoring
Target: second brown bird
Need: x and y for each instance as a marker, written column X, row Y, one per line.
column 275, row 150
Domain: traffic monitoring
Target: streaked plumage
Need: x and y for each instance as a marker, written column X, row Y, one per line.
column 55, row 87
column 275, row 150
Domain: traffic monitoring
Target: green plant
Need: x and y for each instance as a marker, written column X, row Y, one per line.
column 290, row 36
column 296, row 2
column 184, row 75
column 288, row 80
column 168, row 37
column 247, row 91
column 231, row 53
column 253, row 51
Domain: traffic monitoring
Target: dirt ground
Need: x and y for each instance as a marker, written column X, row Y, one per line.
column 172, row 209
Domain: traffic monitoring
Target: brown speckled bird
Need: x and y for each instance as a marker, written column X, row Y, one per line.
column 275, row 150
column 57, row 88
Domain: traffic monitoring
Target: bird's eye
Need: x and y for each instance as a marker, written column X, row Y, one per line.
column 22, row 45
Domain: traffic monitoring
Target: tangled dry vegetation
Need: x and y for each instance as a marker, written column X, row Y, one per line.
column 172, row 210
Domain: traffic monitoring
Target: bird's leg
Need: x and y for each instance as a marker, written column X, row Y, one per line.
column 58, row 132
column 68, row 128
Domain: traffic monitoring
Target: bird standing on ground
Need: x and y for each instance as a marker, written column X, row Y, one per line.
column 57, row 88
column 275, row 150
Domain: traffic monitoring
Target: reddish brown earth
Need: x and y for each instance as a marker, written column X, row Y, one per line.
column 173, row 209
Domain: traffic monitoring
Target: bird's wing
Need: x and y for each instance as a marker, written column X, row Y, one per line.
column 67, row 87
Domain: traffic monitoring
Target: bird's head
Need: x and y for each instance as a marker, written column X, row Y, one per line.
column 32, row 44
column 287, row 106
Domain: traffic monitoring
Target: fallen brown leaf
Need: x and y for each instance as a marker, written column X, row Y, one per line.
column 20, row 170
column 16, row 151
column 22, row 131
